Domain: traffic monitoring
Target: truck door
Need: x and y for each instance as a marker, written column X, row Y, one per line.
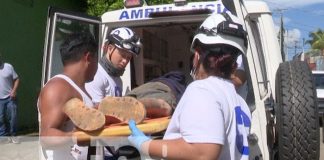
column 61, row 23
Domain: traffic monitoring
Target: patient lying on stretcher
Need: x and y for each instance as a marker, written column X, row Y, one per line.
column 154, row 99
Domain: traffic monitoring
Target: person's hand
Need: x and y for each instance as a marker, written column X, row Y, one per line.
column 137, row 138
column 13, row 95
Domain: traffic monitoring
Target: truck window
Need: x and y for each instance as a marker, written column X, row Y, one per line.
column 259, row 62
column 59, row 26
column 64, row 27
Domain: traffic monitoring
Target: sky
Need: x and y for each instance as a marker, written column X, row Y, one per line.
column 300, row 17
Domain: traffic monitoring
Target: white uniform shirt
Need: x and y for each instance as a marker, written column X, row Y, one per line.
column 104, row 85
column 66, row 152
column 7, row 77
column 210, row 111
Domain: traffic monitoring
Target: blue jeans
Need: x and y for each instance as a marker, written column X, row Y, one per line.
column 8, row 117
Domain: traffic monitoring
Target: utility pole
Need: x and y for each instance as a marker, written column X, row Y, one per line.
column 303, row 44
column 302, row 57
column 281, row 34
column 287, row 46
column 296, row 47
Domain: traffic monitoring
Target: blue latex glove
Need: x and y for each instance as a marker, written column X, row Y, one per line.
column 137, row 138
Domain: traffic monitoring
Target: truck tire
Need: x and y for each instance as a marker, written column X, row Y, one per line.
column 297, row 125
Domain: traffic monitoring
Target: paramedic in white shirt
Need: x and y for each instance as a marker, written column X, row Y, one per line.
column 211, row 120
column 121, row 45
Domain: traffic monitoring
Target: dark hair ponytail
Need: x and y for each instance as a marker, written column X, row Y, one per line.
column 219, row 60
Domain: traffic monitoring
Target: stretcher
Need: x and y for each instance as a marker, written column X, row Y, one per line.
column 148, row 126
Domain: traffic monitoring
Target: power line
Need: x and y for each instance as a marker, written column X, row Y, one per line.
column 294, row 9
column 306, row 25
column 296, row 47
column 299, row 28
column 306, row 11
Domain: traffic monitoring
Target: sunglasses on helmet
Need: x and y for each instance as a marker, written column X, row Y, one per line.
column 132, row 44
column 227, row 27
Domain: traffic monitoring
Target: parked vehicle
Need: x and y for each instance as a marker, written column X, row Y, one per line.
column 281, row 95
column 319, row 83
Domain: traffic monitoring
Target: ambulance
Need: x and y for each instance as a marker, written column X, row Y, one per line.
column 281, row 95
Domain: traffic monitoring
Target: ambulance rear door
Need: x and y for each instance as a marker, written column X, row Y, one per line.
column 61, row 23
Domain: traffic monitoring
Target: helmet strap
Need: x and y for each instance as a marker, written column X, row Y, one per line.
column 112, row 51
column 110, row 68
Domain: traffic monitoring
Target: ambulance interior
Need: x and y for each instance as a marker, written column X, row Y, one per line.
column 166, row 47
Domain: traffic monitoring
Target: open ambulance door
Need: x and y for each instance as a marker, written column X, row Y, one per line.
column 61, row 23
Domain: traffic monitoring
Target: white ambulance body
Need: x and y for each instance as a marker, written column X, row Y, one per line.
column 166, row 32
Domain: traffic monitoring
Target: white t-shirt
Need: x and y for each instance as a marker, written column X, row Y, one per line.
column 7, row 77
column 242, row 90
column 210, row 111
column 104, row 85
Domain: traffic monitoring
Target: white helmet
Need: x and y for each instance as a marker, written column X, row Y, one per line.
column 125, row 38
column 223, row 28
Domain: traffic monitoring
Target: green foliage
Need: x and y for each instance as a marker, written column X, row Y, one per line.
column 155, row 2
column 317, row 40
column 99, row 7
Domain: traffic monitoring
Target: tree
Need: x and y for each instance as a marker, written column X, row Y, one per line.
column 98, row 7
column 317, row 40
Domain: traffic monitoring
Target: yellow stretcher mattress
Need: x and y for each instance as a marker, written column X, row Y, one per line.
column 148, row 126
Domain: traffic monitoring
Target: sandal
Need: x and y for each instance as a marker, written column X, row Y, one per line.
column 84, row 118
column 123, row 108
